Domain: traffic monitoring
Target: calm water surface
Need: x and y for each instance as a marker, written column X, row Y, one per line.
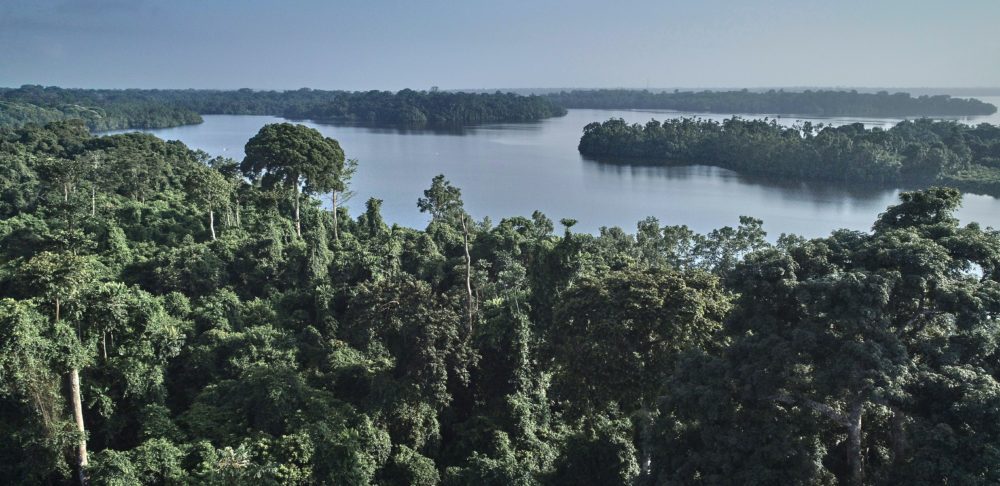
column 512, row 169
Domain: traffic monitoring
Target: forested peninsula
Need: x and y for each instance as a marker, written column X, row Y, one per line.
column 920, row 151
column 775, row 102
column 106, row 109
column 171, row 318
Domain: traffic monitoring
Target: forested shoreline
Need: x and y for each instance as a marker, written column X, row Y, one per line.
column 98, row 116
column 171, row 318
column 777, row 102
column 919, row 151
column 112, row 109
column 108, row 109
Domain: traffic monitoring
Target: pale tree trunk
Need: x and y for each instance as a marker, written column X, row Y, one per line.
column 855, row 457
column 66, row 192
column 81, row 451
column 211, row 222
column 646, row 440
column 238, row 213
column 468, row 272
column 298, row 223
column 93, row 201
column 336, row 233
column 74, row 388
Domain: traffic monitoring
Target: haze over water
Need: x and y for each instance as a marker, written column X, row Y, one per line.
column 513, row 169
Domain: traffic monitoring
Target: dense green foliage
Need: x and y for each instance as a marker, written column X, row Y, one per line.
column 272, row 356
column 413, row 108
column 816, row 103
column 100, row 109
column 106, row 109
column 918, row 151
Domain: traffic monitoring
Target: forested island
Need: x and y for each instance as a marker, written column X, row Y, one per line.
column 920, row 151
column 778, row 102
column 107, row 109
column 171, row 318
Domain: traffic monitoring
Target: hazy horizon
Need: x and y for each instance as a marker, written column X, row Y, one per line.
column 393, row 45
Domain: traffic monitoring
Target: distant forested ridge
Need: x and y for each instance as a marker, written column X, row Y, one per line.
column 815, row 103
column 167, row 318
column 104, row 109
column 918, row 151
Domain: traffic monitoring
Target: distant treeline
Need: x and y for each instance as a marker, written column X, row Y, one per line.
column 819, row 103
column 114, row 109
column 918, row 151
column 100, row 109
column 417, row 108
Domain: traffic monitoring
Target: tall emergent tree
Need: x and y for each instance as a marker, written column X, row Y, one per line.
column 444, row 202
column 59, row 277
column 340, row 187
column 211, row 190
column 297, row 157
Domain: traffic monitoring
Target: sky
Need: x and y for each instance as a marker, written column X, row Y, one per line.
column 387, row 44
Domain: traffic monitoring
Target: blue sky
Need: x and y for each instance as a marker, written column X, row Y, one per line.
column 386, row 44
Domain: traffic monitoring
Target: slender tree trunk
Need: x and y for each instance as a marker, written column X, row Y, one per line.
column 898, row 436
column 855, row 458
column 211, row 222
column 468, row 272
column 298, row 223
column 238, row 213
column 66, row 192
column 81, row 451
column 336, row 233
column 104, row 345
column 646, row 440
column 93, row 201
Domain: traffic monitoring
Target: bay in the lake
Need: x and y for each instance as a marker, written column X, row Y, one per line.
column 512, row 169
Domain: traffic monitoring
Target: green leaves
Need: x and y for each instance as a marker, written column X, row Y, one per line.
column 288, row 154
column 666, row 356
column 617, row 335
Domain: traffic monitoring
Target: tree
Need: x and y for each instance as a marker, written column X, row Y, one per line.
column 618, row 334
column 296, row 157
column 845, row 335
column 444, row 202
column 60, row 278
column 94, row 162
column 36, row 437
column 211, row 190
column 65, row 173
column 339, row 186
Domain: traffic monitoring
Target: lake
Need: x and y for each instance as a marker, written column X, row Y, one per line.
column 512, row 169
